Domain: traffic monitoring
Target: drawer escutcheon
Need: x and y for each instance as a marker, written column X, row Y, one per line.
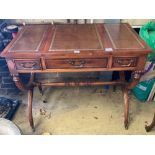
column 77, row 63
column 30, row 65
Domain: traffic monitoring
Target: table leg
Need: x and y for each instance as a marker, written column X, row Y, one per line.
column 150, row 127
column 126, row 108
column 30, row 116
column 135, row 79
column 29, row 88
column 126, row 100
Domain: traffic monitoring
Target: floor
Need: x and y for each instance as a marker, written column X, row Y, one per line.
column 83, row 110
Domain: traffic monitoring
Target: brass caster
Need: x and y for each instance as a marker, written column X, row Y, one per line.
column 147, row 128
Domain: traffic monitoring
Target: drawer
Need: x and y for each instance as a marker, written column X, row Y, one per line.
column 124, row 62
column 76, row 63
column 27, row 64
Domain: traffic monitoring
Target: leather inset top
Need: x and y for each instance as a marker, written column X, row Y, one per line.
column 30, row 39
column 122, row 37
column 71, row 37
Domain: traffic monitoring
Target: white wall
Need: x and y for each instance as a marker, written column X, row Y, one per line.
column 136, row 22
column 133, row 22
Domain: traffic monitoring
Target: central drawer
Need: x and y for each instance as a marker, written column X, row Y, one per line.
column 76, row 63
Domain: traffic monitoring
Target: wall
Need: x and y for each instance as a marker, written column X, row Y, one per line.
column 136, row 22
column 133, row 22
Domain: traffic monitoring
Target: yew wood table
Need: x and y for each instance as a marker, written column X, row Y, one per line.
column 76, row 48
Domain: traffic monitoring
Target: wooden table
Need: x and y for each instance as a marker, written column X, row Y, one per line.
column 76, row 48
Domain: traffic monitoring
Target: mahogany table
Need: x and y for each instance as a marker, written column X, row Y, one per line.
column 76, row 48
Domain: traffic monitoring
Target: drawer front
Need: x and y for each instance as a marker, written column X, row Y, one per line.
column 27, row 64
column 76, row 63
column 124, row 62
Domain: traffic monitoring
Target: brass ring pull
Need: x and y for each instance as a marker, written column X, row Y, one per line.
column 77, row 63
column 121, row 63
column 28, row 64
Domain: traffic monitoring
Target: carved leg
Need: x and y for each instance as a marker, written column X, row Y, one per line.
column 135, row 80
column 149, row 127
column 28, row 88
column 22, row 87
column 30, row 98
column 126, row 108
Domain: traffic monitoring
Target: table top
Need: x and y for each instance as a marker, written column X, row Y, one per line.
column 76, row 39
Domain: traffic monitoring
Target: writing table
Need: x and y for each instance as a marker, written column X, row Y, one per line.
column 76, row 48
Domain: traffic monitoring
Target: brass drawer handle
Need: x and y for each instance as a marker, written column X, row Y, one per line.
column 77, row 63
column 120, row 62
column 29, row 65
